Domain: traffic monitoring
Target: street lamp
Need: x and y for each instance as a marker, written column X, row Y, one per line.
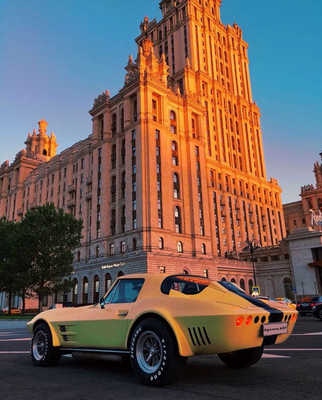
column 252, row 246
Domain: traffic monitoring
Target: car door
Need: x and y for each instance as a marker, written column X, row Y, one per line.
column 105, row 325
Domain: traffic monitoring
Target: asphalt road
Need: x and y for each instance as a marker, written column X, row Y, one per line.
column 292, row 371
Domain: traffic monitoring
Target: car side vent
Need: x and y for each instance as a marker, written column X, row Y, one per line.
column 62, row 328
column 199, row 336
column 66, row 338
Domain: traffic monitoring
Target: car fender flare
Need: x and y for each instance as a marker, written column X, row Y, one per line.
column 55, row 339
column 184, row 347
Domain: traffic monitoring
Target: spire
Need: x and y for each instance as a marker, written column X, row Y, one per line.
column 42, row 127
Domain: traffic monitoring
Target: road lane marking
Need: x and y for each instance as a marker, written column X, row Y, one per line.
column 292, row 349
column 15, row 340
column 14, row 352
column 266, row 355
column 308, row 334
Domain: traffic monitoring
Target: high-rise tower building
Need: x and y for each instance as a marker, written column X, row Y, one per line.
column 173, row 176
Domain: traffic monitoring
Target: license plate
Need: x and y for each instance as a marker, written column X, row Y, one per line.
column 276, row 328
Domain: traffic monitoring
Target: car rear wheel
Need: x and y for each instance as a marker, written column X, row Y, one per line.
column 154, row 354
column 242, row 358
column 42, row 351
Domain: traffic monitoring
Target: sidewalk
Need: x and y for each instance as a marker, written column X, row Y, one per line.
column 12, row 324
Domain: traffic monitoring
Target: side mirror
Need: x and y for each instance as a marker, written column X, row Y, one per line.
column 102, row 302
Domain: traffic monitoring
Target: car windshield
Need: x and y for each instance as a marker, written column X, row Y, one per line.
column 185, row 284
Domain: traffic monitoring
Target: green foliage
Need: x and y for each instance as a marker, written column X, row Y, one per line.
column 52, row 236
column 36, row 254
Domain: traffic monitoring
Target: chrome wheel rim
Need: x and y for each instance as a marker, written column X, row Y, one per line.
column 39, row 345
column 149, row 352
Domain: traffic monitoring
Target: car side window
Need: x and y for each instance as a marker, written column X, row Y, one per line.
column 125, row 291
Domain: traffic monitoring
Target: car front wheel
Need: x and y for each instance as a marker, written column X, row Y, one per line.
column 154, row 354
column 42, row 351
column 242, row 358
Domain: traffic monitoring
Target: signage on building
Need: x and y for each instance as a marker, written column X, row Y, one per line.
column 109, row 266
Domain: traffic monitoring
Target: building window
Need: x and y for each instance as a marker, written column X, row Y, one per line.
column 122, row 118
column 113, row 222
column 173, row 122
column 134, row 244
column 175, row 159
column 112, row 249
column 203, row 248
column 176, row 186
column 186, row 272
column 113, row 189
column 108, row 282
column 85, row 290
column 96, row 288
column 113, row 156
column 101, row 126
column 179, row 247
column 75, row 291
column 123, row 247
column 114, row 124
column 97, row 251
column 242, row 284
column 161, row 243
column 250, row 285
column 177, row 219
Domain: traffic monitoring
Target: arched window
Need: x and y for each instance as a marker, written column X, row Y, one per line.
column 122, row 247
column 177, row 219
column 108, row 282
column 180, row 247
column 44, row 152
column 161, row 243
column 203, row 249
column 233, row 280
column 186, row 272
column 85, row 290
column 97, row 251
column 112, row 249
column 223, row 279
column 120, row 273
column 288, row 289
column 175, row 158
column 250, row 285
column 173, row 122
column 176, row 186
column 75, row 291
column 242, row 284
column 96, row 287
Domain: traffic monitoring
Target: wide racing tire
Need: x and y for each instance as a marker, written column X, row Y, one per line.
column 154, row 354
column 242, row 358
column 42, row 351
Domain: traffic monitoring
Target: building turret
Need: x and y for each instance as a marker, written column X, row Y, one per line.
column 41, row 146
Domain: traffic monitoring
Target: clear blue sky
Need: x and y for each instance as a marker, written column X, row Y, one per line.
column 57, row 56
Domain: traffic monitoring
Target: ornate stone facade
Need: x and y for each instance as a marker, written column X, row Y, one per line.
column 173, row 176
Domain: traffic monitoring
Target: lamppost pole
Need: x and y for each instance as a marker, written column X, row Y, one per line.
column 252, row 246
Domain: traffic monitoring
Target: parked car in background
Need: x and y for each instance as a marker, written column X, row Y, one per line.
column 317, row 307
column 306, row 307
column 14, row 311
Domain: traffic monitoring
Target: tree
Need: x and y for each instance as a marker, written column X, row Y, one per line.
column 51, row 236
column 12, row 273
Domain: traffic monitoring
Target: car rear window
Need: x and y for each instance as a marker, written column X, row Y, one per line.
column 186, row 284
column 317, row 299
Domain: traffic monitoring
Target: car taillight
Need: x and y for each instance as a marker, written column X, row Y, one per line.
column 249, row 320
column 239, row 321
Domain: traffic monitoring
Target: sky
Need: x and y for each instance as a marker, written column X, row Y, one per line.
column 56, row 57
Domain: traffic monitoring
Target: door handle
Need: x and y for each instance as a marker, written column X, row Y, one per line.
column 122, row 313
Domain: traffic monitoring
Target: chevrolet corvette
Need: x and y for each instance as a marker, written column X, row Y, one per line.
column 158, row 321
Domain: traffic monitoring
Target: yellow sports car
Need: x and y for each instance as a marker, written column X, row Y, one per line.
column 160, row 320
